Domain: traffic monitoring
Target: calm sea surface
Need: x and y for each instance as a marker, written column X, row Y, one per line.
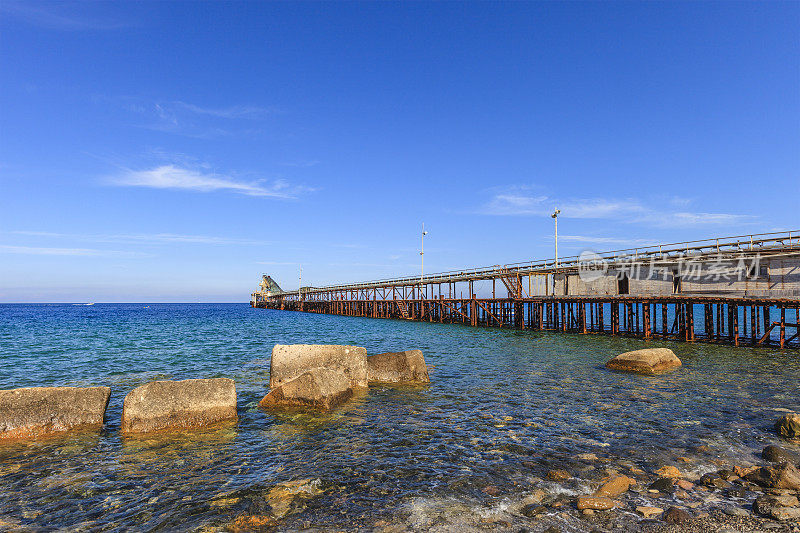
column 503, row 408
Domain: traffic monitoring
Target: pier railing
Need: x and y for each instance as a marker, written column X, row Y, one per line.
column 741, row 245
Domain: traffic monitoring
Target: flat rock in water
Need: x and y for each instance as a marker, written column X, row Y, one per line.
column 647, row 361
column 35, row 412
column 191, row 403
column 649, row 512
column 289, row 361
column 317, row 388
column 615, row 486
column 788, row 426
column 597, row 503
column 397, row 367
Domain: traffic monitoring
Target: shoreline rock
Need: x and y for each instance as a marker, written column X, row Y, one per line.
column 646, row 361
column 176, row 405
column 595, row 503
column 291, row 360
column 776, row 454
column 788, row 426
column 397, row 367
column 317, row 388
column 615, row 486
column 777, row 507
column 777, row 476
column 37, row 412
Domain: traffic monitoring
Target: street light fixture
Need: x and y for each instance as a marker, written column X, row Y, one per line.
column 555, row 219
column 422, row 256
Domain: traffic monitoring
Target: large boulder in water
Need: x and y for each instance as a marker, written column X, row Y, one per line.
column 647, row 361
column 780, row 476
column 397, row 367
column 316, row 388
column 788, row 426
column 35, row 412
column 290, row 361
column 191, row 403
column 776, row 454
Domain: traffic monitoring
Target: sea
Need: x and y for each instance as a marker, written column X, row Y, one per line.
column 503, row 408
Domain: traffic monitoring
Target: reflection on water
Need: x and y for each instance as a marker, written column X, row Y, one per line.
column 503, row 408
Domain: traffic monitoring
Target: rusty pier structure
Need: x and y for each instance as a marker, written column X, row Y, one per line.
column 742, row 290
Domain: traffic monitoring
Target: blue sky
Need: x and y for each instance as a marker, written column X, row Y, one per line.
column 163, row 151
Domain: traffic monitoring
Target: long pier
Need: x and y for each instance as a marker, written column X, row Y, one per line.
column 742, row 290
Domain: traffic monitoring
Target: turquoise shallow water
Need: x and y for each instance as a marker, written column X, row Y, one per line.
column 503, row 408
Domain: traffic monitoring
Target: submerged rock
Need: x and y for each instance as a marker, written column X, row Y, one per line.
column 664, row 484
column 788, row 426
column 532, row 509
column 780, row 476
column 191, row 403
column 317, row 388
column 676, row 515
column 558, row 475
column 248, row 523
column 647, row 361
column 777, row 507
column 35, row 412
column 669, row 471
column 397, row 367
column 289, row 497
column 290, row 361
column 536, row 496
column 776, row 454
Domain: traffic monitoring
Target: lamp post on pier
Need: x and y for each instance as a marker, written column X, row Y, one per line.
column 555, row 219
column 422, row 256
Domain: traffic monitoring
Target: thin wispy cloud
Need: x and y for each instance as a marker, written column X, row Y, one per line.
column 194, row 120
column 57, row 16
column 301, row 164
column 81, row 252
column 701, row 219
column 588, row 239
column 177, row 178
column 348, row 245
column 519, row 201
column 232, row 112
column 148, row 238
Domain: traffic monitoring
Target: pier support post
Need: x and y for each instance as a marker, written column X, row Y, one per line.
column 783, row 326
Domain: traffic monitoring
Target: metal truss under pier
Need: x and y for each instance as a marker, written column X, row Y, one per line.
column 733, row 321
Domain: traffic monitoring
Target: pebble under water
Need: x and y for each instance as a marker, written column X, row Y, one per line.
column 503, row 408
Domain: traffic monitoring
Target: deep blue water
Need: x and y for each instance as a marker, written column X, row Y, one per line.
column 503, row 408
